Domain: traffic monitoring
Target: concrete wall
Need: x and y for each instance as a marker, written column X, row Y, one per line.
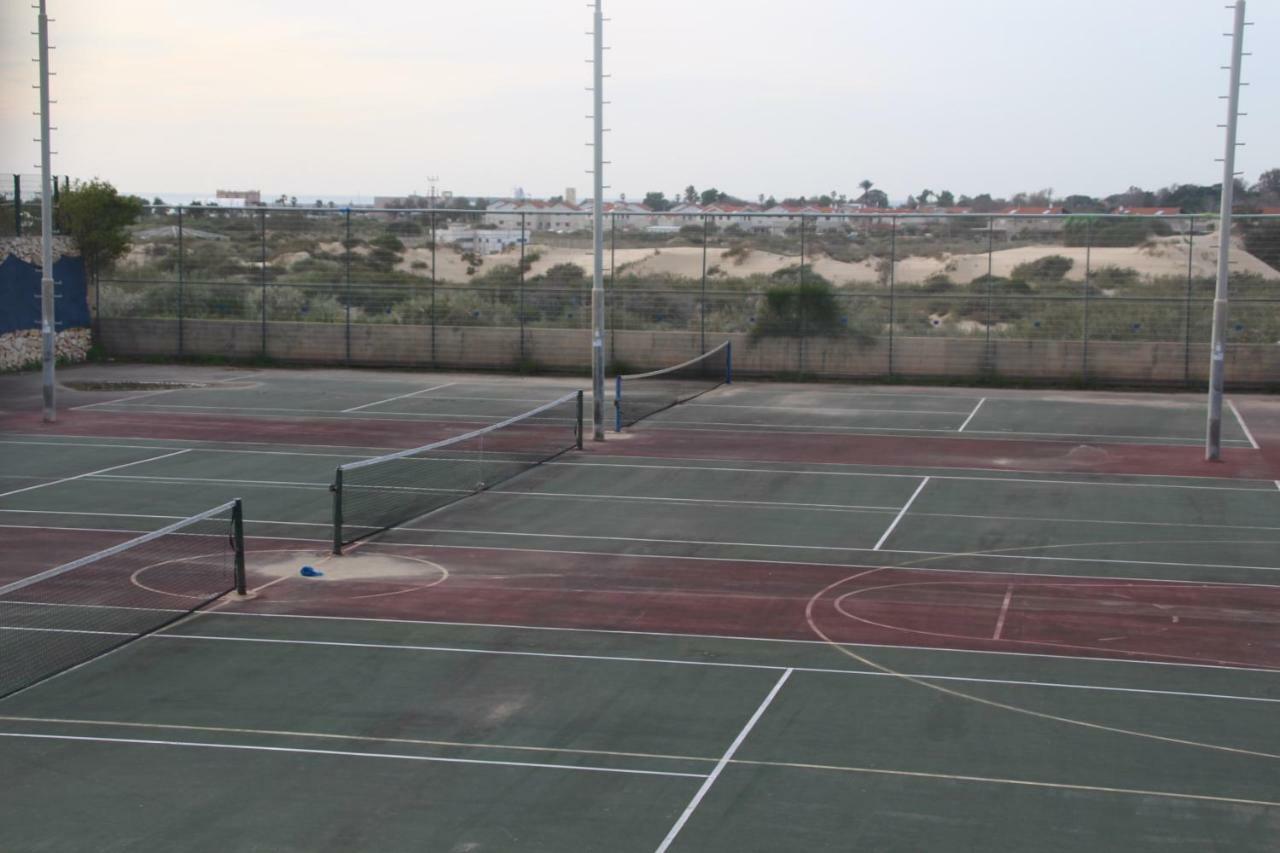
column 502, row 348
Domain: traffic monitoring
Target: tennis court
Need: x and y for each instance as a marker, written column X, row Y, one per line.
column 777, row 616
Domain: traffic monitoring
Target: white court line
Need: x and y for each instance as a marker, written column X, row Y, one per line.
column 986, row 555
column 347, row 754
column 89, row 513
column 127, row 399
column 971, row 414
column 713, row 664
column 1240, row 420
column 214, row 480
column 1004, row 474
column 401, row 397
column 1011, row 475
column 92, row 473
column 722, row 559
column 995, row 434
column 198, row 449
column 906, row 506
column 720, row 765
column 820, row 409
column 1004, row 611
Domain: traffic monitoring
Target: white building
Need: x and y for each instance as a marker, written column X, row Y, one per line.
column 534, row 215
column 482, row 241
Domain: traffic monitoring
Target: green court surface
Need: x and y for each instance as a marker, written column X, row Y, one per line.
column 664, row 641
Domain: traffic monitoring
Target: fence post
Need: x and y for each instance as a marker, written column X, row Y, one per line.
column 1088, row 273
column 520, row 284
column 893, row 259
column 613, row 300
column 702, row 298
column 182, row 270
column 800, row 306
column 17, row 205
column 990, row 350
column 262, row 223
column 433, row 282
column 1186, row 335
column 346, row 257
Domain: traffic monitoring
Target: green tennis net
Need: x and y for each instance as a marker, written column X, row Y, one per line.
column 636, row 396
column 69, row 615
column 374, row 495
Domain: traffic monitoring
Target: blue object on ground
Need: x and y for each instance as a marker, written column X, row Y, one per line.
column 308, row 572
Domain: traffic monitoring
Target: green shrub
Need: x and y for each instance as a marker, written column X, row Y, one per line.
column 388, row 242
column 1048, row 268
column 808, row 309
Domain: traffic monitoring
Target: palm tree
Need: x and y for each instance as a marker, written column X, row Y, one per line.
column 866, row 184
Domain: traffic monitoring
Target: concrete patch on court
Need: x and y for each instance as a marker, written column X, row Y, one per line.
column 277, row 576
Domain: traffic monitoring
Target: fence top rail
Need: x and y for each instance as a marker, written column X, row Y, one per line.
column 691, row 215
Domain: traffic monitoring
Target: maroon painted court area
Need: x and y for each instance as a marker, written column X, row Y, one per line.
column 887, row 450
column 1219, row 624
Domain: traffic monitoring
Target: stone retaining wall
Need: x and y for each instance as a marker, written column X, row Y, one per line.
column 567, row 350
column 21, row 349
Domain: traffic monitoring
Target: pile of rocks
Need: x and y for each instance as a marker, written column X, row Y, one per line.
column 28, row 248
column 21, row 349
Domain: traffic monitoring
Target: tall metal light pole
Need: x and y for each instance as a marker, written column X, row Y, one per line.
column 48, row 321
column 597, row 228
column 1217, row 350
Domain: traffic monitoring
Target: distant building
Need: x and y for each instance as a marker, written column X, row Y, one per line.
column 246, row 197
column 534, row 215
column 482, row 241
column 1149, row 211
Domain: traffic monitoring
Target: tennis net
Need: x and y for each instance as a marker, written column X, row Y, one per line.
column 374, row 495
column 71, row 614
column 636, row 396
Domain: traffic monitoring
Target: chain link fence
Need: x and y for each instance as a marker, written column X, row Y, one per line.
column 20, row 199
column 1063, row 299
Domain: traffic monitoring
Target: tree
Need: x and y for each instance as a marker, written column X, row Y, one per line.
column 96, row 217
column 690, row 194
column 293, row 201
column 656, row 202
column 711, row 196
column 876, row 198
column 946, row 199
column 770, row 202
column 925, row 195
column 1268, row 183
column 911, row 202
column 866, row 184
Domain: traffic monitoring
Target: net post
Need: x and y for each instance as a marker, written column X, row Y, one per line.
column 728, row 362
column 336, row 488
column 237, row 543
column 617, row 403
column 578, row 426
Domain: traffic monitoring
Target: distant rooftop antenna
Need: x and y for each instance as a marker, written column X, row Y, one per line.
column 1217, row 350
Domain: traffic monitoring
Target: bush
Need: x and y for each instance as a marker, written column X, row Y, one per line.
column 1049, row 268
column 1112, row 232
column 793, row 310
column 389, row 242
column 1262, row 240
column 404, row 228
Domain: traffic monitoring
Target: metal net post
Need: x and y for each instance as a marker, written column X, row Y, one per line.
column 336, row 489
column 237, row 544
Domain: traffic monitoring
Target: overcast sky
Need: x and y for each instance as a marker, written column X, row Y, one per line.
column 320, row 97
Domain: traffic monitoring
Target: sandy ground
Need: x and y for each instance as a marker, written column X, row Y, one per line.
column 1162, row 257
